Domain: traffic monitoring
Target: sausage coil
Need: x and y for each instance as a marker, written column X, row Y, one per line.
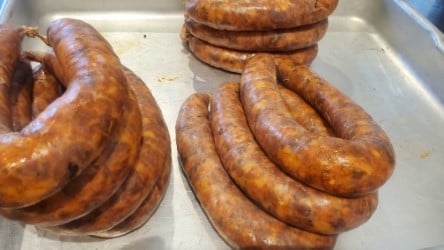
column 357, row 162
column 154, row 155
column 54, row 153
column 233, row 60
column 280, row 195
column 241, row 223
column 258, row 15
column 264, row 41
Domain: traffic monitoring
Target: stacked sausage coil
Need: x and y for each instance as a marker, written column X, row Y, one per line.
column 224, row 34
column 85, row 149
column 288, row 165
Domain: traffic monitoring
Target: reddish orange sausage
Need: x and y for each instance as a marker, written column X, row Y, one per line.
column 234, row 61
column 20, row 95
column 237, row 220
column 51, row 143
column 11, row 38
column 154, row 155
column 280, row 195
column 260, row 41
column 145, row 211
column 46, row 89
column 258, row 14
column 97, row 183
column 357, row 163
column 304, row 114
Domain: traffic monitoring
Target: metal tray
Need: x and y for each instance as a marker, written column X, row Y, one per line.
column 382, row 53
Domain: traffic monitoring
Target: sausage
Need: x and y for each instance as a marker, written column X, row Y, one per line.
column 97, row 183
column 144, row 212
column 46, row 89
column 304, row 114
column 11, row 38
column 355, row 163
column 234, row 61
column 259, row 14
column 155, row 152
column 20, row 95
column 261, row 180
column 255, row 41
column 237, row 220
column 91, row 107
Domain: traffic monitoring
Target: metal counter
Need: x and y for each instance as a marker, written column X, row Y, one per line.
column 381, row 53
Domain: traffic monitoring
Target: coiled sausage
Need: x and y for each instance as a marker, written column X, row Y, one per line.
column 238, row 221
column 290, row 201
column 356, row 163
column 258, row 14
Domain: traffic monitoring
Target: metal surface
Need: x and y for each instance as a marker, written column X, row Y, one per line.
column 382, row 53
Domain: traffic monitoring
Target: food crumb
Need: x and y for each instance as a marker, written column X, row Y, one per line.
column 425, row 154
column 163, row 78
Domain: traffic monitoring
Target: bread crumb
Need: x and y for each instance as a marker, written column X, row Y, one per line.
column 163, row 78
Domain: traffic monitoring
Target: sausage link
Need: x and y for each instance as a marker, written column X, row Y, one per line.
column 265, row 41
column 20, row 95
column 234, row 61
column 238, row 221
column 46, row 89
column 280, row 195
column 97, row 183
column 11, row 38
column 304, row 114
column 356, row 163
column 258, row 14
column 51, row 145
column 154, row 152
column 144, row 212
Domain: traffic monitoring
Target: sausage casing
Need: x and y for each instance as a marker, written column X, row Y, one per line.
column 155, row 151
column 238, row 221
column 280, row 195
column 356, row 162
column 234, row 61
column 258, row 14
column 260, row 41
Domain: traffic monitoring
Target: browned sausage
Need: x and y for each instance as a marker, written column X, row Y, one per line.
column 20, row 95
column 234, row 61
column 155, row 151
column 237, row 220
column 97, row 183
column 46, row 89
column 357, row 163
column 11, row 38
column 255, row 41
column 280, row 195
column 51, row 143
column 258, row 14
column 144, row 212
column 304, row 114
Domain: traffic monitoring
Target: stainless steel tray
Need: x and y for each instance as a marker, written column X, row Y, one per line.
column 381, row 53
